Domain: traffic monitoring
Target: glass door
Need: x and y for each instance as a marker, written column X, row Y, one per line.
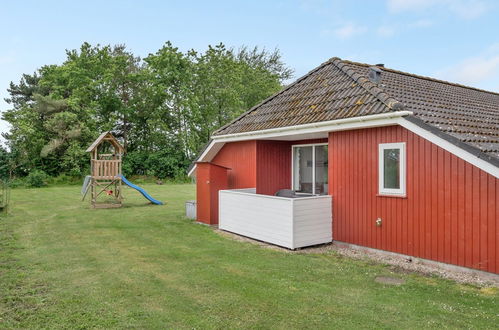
column 310, row 169
column 303, row 170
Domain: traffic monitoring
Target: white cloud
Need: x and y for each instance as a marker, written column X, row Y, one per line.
column 422, row 23
column 475, row 70
column 366, row 56
column 385, row 31
column 480, row 69
column 7, row 59
column 465, row 9
column 494, row 48
column 409, row 5
column 349, row 30
column 468, row 9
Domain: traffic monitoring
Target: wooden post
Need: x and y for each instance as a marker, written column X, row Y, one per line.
column 93, row 192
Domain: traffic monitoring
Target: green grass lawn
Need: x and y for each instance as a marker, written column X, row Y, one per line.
column 63, row 264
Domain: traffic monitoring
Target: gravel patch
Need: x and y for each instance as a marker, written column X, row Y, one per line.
column 397, row 262
column 389, row 280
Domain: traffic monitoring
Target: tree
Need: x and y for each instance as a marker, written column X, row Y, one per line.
column 230, row 82
column 5, row 162
column 163, row 108
column 171, row 75
column 90, row 92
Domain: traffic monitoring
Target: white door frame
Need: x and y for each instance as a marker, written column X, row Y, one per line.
column 313, row 145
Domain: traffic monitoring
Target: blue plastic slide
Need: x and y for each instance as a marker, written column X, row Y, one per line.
column 140, row 190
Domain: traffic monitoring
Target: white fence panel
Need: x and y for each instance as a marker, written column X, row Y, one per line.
column 287, row 222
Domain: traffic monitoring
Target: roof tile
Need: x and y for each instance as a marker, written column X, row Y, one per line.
column 340, row 89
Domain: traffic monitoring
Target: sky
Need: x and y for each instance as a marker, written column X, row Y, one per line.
column 455, row 40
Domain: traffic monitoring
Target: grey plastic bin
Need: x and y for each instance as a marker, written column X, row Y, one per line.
column 190, row 209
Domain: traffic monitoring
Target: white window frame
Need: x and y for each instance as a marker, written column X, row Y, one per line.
column 313, row 145
column 401, row 192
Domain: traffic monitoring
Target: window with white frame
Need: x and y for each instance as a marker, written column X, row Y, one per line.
column 392, row 169
column 310, row 169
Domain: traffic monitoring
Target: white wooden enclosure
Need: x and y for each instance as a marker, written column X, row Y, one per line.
column 288, row 222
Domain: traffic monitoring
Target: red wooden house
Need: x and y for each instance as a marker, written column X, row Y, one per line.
column 376, row 157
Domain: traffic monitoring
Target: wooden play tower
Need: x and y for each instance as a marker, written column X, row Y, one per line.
column 105, row 179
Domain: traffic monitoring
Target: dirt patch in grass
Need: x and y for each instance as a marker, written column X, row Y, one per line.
column 389, row 280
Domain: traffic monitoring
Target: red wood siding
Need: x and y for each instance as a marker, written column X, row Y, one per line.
column 274, row 164
column 263, row 164
column 203, row 196
column 273, row 168
column 450, row 213
column 210, row 179
column 240, row 157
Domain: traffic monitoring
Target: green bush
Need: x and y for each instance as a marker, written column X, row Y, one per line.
column 4, row 163
column 36, row 178
column 134, row 163
column 65, row 179
column 165, row 164
column 18, row 182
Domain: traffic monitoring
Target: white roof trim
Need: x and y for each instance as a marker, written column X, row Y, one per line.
column 379, row 120
column 208, row 154
column 383, row 119
column 323, row 126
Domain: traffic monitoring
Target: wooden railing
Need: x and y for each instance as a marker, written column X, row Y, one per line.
column 106, row 169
